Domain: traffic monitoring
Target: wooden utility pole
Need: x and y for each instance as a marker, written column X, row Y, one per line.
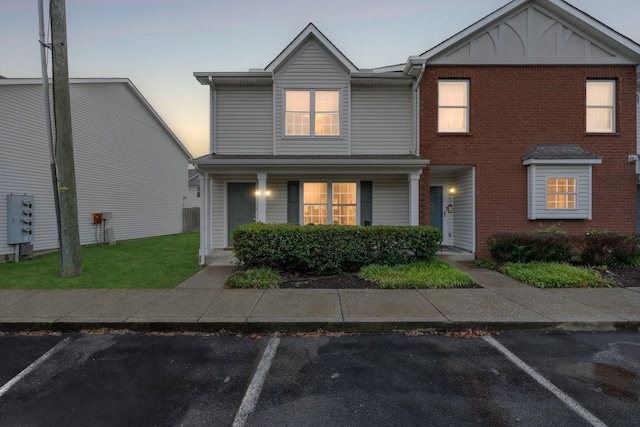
column 69, row 233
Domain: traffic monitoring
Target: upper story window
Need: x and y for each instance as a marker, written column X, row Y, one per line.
column 312, row 113
column 453, row 106
column 600, row 106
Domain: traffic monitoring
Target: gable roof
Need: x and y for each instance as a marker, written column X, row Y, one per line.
column 262, row 77
column 134, row 91
column 311, row 31
column 605, row 44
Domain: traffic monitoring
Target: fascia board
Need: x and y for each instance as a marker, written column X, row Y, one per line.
column 561, row 162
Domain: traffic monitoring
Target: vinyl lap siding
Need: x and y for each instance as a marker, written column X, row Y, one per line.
column 244, row 122
column 311, row 68
column 382, row 120
column 463, row 219
column 583, row 180
column 390, row 200
column 125, row 163
column 24, row 162
column 219, row 213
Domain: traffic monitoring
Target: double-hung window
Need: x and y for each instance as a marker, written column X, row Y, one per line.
column 329, row 203
column 600, row 106
column 561, row 193
column 453, row 106
column 312, row 112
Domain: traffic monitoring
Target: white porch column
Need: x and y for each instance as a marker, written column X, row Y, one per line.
column 206, row 232
column 414, row 198
column 261, row 199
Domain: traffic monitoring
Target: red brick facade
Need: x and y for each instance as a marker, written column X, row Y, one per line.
column 513, row 108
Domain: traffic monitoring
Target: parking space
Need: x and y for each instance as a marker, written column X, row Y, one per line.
column 319, row 380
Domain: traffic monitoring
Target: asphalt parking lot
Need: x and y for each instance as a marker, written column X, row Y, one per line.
column 124, row 379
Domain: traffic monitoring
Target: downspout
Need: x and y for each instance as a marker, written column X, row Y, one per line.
column 416, row 94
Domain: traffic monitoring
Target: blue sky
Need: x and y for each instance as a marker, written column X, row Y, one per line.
column 158, row 44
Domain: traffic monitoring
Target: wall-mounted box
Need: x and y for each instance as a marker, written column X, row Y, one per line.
column 19, row 219
column 97, row 218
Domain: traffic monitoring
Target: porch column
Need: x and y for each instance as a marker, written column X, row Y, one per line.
column 261, row 198
column 414, row 198
column 206, row 241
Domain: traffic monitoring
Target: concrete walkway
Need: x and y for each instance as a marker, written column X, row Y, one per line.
column 201, row 303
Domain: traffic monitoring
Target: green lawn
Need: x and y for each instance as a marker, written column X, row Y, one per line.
column 156, row 262
column 554, row 275
column 429, row 274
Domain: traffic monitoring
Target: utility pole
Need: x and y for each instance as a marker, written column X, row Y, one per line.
column 69, row 233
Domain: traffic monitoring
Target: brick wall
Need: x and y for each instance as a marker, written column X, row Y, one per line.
column 513, row 108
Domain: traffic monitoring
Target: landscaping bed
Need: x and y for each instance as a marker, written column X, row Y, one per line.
column 625, row 277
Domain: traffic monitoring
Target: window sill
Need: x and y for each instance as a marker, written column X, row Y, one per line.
column 445, row 134
column 599, row 134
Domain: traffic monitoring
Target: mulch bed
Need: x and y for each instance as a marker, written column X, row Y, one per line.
column 340, row 281
column 625, row 277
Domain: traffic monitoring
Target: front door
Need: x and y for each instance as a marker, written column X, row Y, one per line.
column 241, row 205
column 435, row 207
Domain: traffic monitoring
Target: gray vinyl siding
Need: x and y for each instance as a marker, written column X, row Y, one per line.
column 219, row 216
column 390, row 200
column 382, row 120
column 463, row 219
column 244, row 121
column 277, row 201
column 638, row 124
column 312, row 68
column 125, row 161
column 538, row 181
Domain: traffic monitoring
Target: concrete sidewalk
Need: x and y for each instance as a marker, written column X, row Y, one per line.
column 201, row 303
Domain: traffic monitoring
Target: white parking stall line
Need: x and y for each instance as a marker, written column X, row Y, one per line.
column 253, row 392
column 5, row 388
column 566, row 399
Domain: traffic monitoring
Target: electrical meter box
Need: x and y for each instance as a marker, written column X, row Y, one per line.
column 19, row 219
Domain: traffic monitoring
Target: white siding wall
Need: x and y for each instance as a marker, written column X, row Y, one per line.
column 125, row 163
column 311, row 68
column 277, row 201
column 382, row 120
column 463, row 218
column 244, row 122
column 638, row 123
column 192, row 200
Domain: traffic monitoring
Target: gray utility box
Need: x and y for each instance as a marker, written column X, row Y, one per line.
column 19, row 219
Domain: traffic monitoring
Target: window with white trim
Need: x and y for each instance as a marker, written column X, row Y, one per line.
column 312, row 112
column 329, row 203
column 561, row 193
column 600, row 106
column 453, row 106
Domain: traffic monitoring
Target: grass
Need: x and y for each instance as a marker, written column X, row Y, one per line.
column 156, row 262
column 259, row 278
column 430, row 274
column 553, row 275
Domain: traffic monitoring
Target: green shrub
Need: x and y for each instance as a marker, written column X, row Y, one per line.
column 602, row 247
column 331, row 249
column 539, row 245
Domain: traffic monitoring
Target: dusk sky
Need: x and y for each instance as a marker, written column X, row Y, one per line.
column 158, row 44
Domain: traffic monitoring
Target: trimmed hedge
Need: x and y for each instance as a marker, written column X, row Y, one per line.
column 594, row 249
column 332, row 249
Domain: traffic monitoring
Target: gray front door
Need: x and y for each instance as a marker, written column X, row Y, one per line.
column 241, row 205
column 435, row 207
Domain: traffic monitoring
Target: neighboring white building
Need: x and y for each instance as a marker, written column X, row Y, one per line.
column 127, row 162
column 193, row 197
